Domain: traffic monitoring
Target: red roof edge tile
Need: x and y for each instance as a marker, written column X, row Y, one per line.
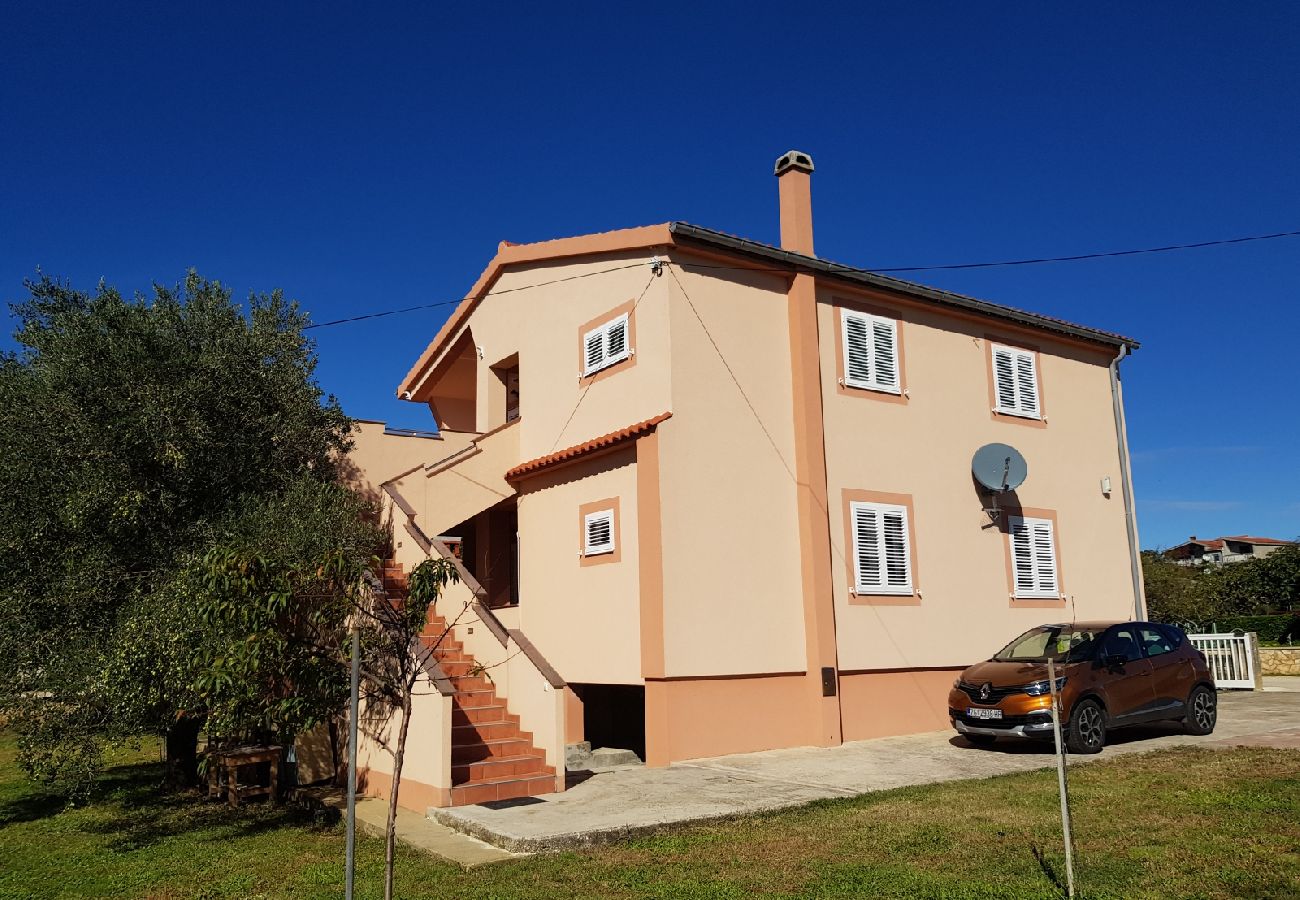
column 604, row 442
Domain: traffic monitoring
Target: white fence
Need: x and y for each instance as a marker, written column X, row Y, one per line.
column 1231, row 658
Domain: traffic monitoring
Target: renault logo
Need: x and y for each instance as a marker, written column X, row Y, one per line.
column 986, row 690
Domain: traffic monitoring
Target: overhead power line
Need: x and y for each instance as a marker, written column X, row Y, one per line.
column 437, row 303
column 883, row 270
column 1103, row 255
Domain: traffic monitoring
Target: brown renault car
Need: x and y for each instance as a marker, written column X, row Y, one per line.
column 1108, row 674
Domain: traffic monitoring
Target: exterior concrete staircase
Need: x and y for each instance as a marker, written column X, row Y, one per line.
column 491, row 758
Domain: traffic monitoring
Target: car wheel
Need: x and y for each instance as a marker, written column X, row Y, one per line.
column 1086, row 732
column 1202, row 711
column 980, row 740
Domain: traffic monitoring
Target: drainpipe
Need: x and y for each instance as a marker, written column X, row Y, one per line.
column 1126, row 483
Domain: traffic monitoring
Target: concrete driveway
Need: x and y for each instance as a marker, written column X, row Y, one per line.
column 625, row 802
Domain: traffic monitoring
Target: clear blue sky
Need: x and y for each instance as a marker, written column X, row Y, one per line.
column 365, row 157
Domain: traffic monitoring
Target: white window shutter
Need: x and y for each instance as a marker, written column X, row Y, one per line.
column 1027, row 384
column 870, row 352
column 1022, row 558
column 866, row 549
column 1033, row 558
column 1015, row 381
column 1004, row 379
column 606, row 345
column 616, row 340
column 885, row 353
column 595, row 346
column 598, row 528
column 882, row 553
column 1045, row 558
column 898, row 564
column 857, row 351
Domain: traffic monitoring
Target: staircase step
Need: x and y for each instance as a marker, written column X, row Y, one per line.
column 481, row 715
column 465, row 667
column 495, row 769
column 470, row 683
column 476, row 732
column 505, row 789
column 475, row 699
column 497, row 748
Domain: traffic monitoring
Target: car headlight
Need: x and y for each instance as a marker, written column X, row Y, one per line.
column 1039, row 688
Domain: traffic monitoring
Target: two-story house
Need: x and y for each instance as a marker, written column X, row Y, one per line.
column 1233, row 548
column 714, row 496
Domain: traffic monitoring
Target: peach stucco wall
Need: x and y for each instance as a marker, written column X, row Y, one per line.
column 583, row 618
column 731, row 594
column 467, row 483
column 376, row 457
column 714, row 717
column 923, row 448
column 880, row 704
column 426, row 769
column 541, row 325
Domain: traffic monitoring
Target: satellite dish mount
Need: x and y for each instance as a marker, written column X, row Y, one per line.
column 998, row 469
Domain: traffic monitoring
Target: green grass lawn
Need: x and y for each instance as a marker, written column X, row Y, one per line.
column 1172, row 824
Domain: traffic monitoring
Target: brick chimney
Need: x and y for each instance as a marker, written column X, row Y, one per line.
column 794, row 182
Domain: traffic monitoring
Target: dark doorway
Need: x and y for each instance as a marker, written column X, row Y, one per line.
column 613, row 716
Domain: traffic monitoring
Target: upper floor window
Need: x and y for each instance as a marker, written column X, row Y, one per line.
column 1015, row 382
column 870, row 352
column 882, row 557
column 605, row 345
column 1034, row 569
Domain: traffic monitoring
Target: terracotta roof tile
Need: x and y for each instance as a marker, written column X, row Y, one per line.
column 605, row 441
column 1247, row 539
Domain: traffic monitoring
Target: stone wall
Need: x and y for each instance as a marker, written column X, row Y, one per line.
column 1279, row 660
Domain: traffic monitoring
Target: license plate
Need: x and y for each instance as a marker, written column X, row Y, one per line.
column 974, row 713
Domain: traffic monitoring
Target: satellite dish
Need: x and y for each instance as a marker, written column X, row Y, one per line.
column 999, row 467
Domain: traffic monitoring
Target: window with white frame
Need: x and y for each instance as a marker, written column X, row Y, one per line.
column 605, row 345
column 870, row 352
column 882, row 553
column 1033, row 558
column 598, row 532
column 1015, row 382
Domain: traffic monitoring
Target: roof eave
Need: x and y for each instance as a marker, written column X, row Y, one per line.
column 823, row 267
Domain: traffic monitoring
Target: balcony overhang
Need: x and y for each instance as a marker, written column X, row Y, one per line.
column 585, row 450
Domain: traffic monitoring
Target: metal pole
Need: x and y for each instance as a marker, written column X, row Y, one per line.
column 350, row 866
column 1060, row 780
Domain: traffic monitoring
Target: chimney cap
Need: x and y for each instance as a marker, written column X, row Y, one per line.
column 793, row 159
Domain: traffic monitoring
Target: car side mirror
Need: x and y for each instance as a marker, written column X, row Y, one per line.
column 1116, row 660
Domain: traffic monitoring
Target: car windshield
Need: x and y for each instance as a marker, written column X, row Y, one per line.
column 1060, row 643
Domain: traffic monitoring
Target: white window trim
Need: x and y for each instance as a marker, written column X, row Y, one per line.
column 1016, row 410
column 873, row 383
column 587, row 520
column 1038, row 593
column 606, row 358
column 896, row 590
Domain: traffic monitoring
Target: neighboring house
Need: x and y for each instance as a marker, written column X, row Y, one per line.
column 1230, row 549
column 714, row 496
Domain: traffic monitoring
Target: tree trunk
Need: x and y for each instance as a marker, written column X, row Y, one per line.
column 183, row 753
column 390, row 833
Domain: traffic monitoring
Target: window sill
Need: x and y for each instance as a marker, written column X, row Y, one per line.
column 1018, row 418
column 885, row 598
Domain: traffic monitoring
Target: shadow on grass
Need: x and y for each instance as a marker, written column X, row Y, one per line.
column 131, row 806
column 1048, row 868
